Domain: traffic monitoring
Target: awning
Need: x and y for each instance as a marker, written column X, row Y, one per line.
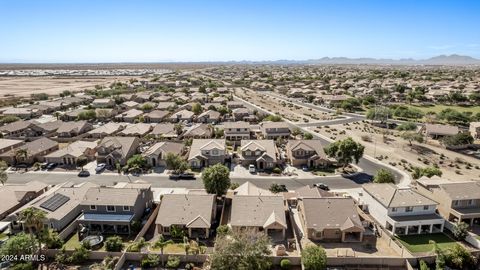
column 106, row 217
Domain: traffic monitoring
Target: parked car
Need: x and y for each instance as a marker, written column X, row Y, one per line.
column 100, row 167
column 51, row 166
column 305, row 168
column 84, row 174
column 321, row 186
column 251, row 168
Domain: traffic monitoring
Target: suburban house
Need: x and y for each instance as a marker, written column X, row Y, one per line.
column 401, row 211
column 240, row 114
column 275, row 130
column 130, row 104
column 209, row 116
column 22, row 112
column 166, row 105
column 73, row 129
column 103, row 103
column 129, row 116
column 458, row 201
column 236, row 131
column 34, row 151
column 21, row 129
column 206, row 152
column 155, row 116
column 15, row 196
column 234, row 104
column 108, row 129
column 164, row 130
column 198, row 131
column 338, row 222
column 68, row 155
column 156, row 154
column 137, row 130
column 61, row 205
column 306, row 153
column 261, row 153
column 113, row 150
column 182, row 116
column 259, row 213
column 192, row 212
column 475, row 130
column 7, row 144
column 437, row 131
column 113, row 209
column 250, row 189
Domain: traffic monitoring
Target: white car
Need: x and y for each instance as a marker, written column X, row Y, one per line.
column 251, row 168
column 100, row 167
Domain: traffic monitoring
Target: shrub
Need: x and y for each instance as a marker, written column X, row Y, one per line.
column 114, row 243
column 285, row 264
column 151, row 260
column 277, row 170
column 173, row 262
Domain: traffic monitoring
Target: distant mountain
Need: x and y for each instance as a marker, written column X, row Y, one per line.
column 448, row 60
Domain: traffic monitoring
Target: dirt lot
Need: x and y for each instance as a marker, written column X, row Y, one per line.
column 285, row 109
column 397, row 152
column 24, row 86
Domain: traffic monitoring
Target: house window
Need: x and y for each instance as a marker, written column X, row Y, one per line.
column 394, row 209
column 215, row 152
column 425, row 207
column 93, row 207
column 110, row 208
column 408, row 209
column 257, row 153
column 126, row 208
column 455, row 203
column 247, row 153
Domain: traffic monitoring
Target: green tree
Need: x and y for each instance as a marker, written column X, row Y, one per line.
column 161, row 243
column 33, row 219
column 379, row 114
column 82, row 161
column 409, row 126
column 412, row 136
column 20, row 244
column 241, row 250
column 196, row 108
column 384, row 176
column 423, row 265
column 276, row 188
column 307, row 136
column 21, row 154
column 3, row 176
column 114, row 243
column 146, row 107
column 176, row 163
column 273, row 118
column 136, row 163
column 216, row 179
column 460, row 231
column 458, row 139
column 314, row 258
column 345, row 151
column 87, row 115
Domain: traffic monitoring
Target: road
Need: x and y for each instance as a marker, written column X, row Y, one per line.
column 54, row 178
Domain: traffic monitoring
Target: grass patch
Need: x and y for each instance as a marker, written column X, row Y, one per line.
column 420, row 243
column 176, row 248
column 3, row 236
column 73, row 242
column 438, row 108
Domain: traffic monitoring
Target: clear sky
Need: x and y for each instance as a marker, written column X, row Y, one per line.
column 204, row 30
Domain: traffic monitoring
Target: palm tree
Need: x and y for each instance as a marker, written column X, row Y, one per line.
column 3, row 177
column 33, row 218
column 161, row 243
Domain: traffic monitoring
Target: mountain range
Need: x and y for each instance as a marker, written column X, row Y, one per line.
column 448, row 60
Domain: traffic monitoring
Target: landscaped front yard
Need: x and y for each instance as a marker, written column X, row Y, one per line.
column 421, row 243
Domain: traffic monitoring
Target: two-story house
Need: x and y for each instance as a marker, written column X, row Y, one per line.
column 306, row 153
column 401, row 211
column 113, row 209
column 113, row 150
column 275, row 130
column 458, row 201
column 206, row 152
column 261, row 153
column 236, row 131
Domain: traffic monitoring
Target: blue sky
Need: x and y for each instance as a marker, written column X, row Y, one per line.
column 176, row 30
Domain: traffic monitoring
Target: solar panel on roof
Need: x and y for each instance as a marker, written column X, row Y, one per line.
column 55, row 202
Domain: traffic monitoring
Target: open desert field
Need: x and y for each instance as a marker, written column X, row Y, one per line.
column 24, row 86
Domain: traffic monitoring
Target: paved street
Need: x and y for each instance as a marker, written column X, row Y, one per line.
column 336, row 182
